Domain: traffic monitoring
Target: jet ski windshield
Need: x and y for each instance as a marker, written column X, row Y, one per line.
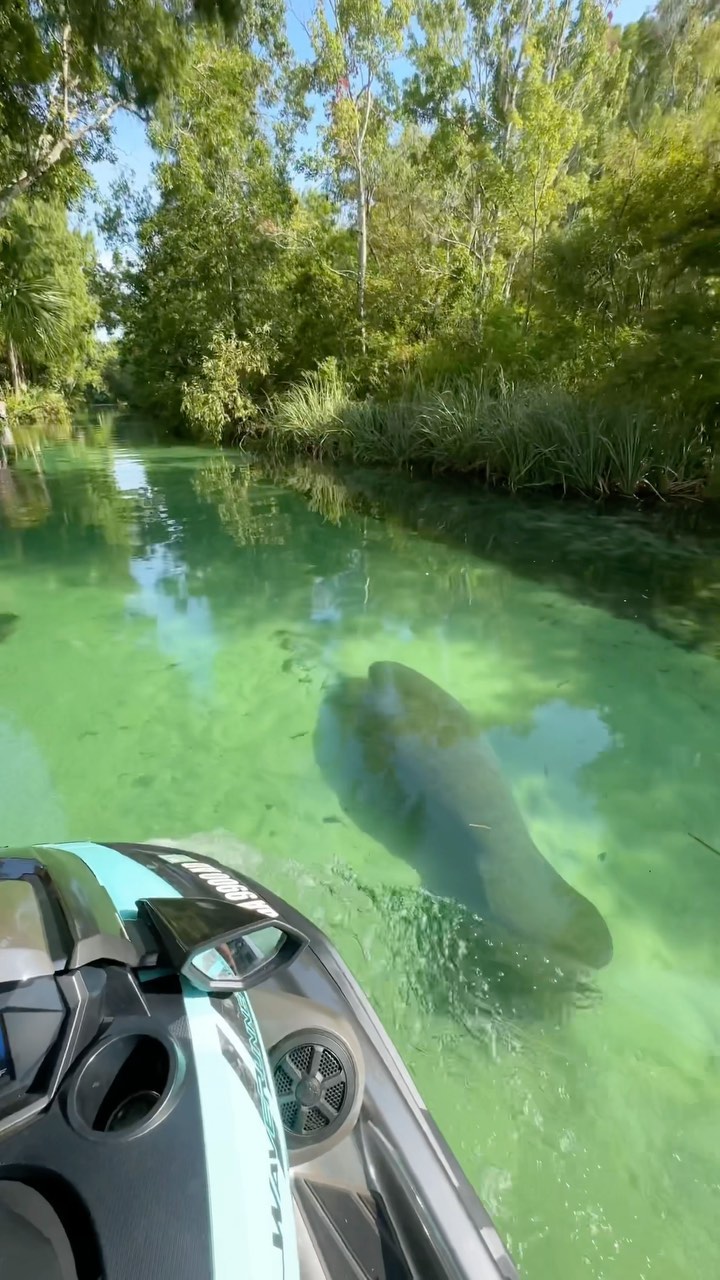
column 25, row 921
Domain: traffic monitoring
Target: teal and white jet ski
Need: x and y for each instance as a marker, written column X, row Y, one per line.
column 194, row 1087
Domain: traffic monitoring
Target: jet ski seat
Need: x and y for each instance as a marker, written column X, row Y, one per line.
column 33, row 1242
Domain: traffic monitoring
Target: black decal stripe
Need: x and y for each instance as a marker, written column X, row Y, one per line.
column 267, row 1094
column 151, row 855
column 276, row 1207
column 227, row 1008
column 189, row 883
column 239, row 1065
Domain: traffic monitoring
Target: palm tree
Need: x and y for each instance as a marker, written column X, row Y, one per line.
column 32, row 314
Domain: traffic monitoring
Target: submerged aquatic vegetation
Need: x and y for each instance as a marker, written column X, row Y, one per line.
column 449, row 966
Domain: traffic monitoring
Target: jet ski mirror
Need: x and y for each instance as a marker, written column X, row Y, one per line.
column 218, row 946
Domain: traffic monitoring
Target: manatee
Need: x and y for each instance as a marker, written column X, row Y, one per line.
column 8, row 622
column 411, row 768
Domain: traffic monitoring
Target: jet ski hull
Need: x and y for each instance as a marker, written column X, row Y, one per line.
column 177, row 1130
column 383, row 1196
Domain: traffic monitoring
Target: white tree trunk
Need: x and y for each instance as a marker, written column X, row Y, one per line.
column 362, row 257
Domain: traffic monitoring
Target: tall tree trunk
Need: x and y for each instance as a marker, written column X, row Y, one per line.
column 513, row 86
column 510, row 270
column 508, row 104
column 562, row 29
column 362, row 257
column 16, row 370
column 531, row 281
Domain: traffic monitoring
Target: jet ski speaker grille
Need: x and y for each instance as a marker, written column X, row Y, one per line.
column 315, row 1082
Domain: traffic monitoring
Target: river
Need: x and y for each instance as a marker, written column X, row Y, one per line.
column 178, row 618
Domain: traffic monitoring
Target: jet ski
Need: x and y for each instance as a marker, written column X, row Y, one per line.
column 193, row 1086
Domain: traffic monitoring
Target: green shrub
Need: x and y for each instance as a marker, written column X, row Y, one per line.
column 221, row 396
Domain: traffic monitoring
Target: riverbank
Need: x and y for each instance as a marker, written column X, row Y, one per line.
column 506, row 437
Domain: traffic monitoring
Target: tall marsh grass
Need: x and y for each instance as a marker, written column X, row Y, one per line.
column 519, row 438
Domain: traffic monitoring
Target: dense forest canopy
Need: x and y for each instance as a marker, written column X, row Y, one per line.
column 518, row 193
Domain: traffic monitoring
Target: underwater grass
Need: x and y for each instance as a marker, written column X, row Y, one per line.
column 514, row 437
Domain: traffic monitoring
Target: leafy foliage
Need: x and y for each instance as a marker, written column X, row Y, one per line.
column 219, row 396
column 68, row 67
column 536, row 206
column 209, row 251
column 47, row 311
column 35, row 408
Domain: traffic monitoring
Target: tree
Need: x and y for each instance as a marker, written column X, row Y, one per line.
column 510, row 93
column 47, row 312
column 628, row 285
column 69, row 65
column 413, row 279
column 673, row 60
column 539, row 203
column 313, row 304
column 354, row 44
column 31, row 320
column 208, row 256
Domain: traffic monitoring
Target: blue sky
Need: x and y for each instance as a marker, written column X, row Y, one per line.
column 135, row 158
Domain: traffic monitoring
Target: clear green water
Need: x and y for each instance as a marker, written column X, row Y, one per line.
column 177, row 621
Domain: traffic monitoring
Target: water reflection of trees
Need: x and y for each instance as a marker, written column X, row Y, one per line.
column 230, row 489
column 279, row 550
column 52, row 508
column 255, row 507
column 91, row 501
column 24, row 498
column 659, row 567
column 96, row 503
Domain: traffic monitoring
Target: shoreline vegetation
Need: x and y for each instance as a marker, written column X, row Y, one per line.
column 520, row 440
column 512, row 438
column 480, row 241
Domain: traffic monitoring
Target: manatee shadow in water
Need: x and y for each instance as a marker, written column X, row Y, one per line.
column 410, row 767
column 8, row 623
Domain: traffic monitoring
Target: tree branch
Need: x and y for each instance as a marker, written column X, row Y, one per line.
column 459, row 244
column 48, row 155
column 66, row 73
